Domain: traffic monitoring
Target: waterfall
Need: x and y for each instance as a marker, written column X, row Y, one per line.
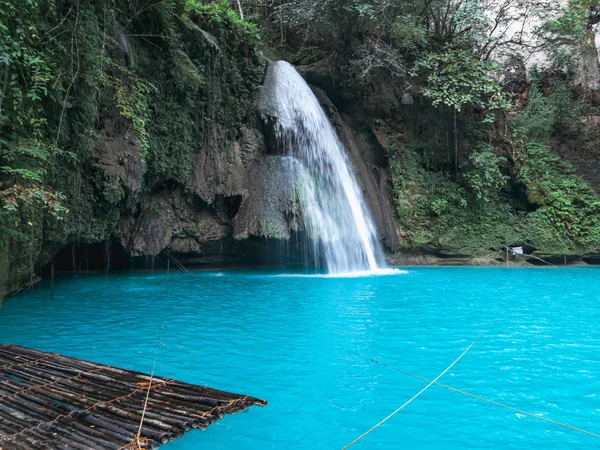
column 338, row 223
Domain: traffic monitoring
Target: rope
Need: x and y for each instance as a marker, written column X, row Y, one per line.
column 532, row 256
column 137, row 445
column 28, row 363
column 78, row 411
column 178, row 263
column 413, row 398
column 139, row 433
column 58, row 380
column 132, row 444
column 492, row 402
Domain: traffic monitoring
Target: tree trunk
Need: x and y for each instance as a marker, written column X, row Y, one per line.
column 239, row 3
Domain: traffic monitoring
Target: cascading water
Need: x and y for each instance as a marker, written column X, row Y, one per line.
column 338, row 224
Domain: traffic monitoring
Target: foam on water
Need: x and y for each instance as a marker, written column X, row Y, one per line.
column 337, row 221
column 355, row 274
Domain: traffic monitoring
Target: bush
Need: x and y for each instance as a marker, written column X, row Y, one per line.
column 483, row 174
column 434, row 211
column 555, row 116
column 568, row 220
column 536, row 120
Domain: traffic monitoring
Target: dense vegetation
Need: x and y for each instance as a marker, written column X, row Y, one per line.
column 80, row 78
column 469, row 138
column 469, row 135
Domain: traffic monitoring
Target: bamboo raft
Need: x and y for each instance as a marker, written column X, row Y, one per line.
column 49, row 401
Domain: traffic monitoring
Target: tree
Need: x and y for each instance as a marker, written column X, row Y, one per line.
column 458, row 78
column 572, row 34
column 26, row 73
column 484, row 175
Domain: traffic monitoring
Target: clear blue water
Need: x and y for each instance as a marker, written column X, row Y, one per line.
column 290, row 340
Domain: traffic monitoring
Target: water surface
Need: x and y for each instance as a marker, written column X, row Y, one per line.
column 292, row 340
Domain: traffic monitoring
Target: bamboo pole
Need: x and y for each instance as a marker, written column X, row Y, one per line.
column 80, row 405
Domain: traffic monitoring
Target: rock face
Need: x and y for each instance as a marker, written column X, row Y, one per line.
column 239, row 201
column 119, row 158
column 223, row 172
column 586, row 161
column 172, row 219
column 248, row 191
column 521, row 38
column 271, row 208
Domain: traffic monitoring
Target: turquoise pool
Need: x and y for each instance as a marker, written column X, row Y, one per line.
column 293, row 340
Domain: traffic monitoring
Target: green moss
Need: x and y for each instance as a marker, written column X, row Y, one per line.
column 308, row 54
column 154, row 76
column 271, row 231
column 186, row 74
column 435, row 212
column 568, row 218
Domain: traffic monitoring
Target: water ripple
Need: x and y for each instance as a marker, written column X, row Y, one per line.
column 296, row 341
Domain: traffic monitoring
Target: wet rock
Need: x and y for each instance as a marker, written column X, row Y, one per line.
column 170, row 220
column 222, row 171
column 321, row 74
column 270, row 208
column 206, row 180
column 119, row 157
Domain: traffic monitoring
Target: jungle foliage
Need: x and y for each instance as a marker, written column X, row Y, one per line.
column 161, row 79
column 470, row 147
column 470, row 144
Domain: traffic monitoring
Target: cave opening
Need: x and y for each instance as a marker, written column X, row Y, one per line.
column 94, row 257
column 233, row 203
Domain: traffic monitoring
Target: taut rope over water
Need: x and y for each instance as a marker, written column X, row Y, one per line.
column 413, row 398
column 483, row 399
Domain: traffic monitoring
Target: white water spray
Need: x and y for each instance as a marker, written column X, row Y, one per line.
column 337, row 222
